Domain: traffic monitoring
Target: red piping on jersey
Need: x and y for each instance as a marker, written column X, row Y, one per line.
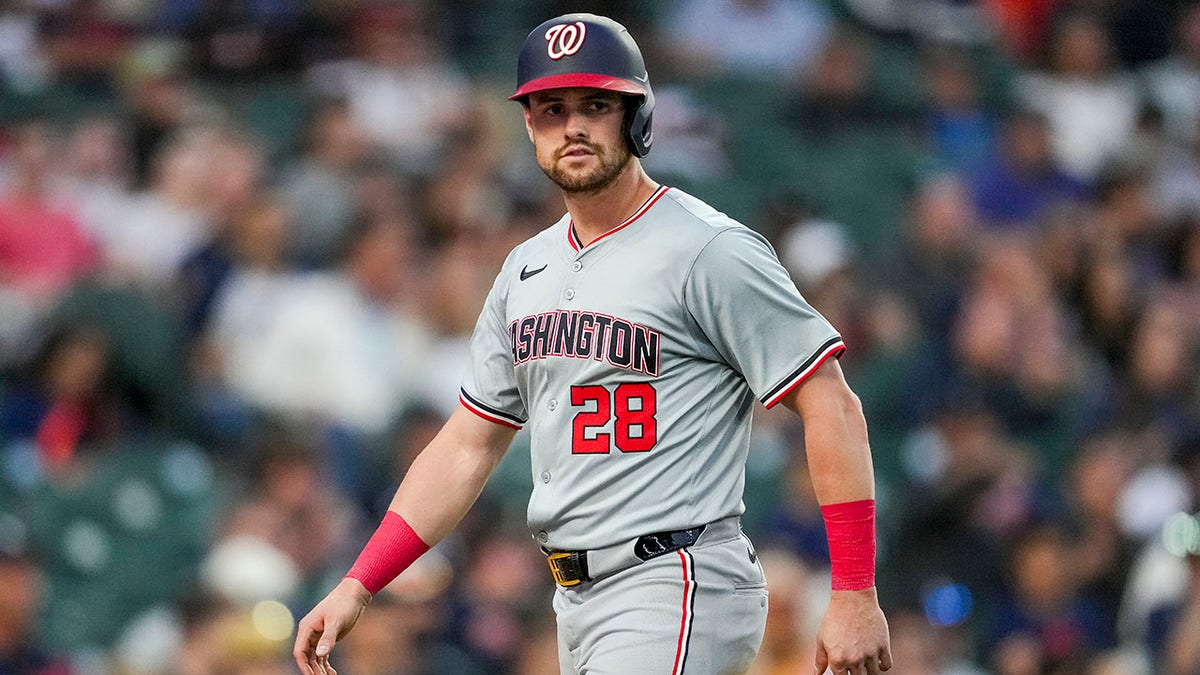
column 491, row 418
column 685, row 619
column 574, row 238
column 834, row 350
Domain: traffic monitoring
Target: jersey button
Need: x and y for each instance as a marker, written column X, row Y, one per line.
column 553, row 404
column 545, row 476
column 569, row 293
column 576, row 265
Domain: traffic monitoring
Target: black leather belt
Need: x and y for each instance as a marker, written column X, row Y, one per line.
column 571, row 567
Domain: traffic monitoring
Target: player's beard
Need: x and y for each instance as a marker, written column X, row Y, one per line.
column 612, row 162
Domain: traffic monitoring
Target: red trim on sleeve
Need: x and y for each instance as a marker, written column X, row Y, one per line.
column 486, row 415
column 835, row 350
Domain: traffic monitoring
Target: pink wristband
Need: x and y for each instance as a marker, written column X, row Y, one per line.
column 390, row 551
column 850, row 528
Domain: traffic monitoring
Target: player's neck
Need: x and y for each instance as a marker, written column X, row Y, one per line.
column 595, row 213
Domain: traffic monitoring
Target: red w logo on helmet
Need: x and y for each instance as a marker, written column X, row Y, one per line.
column 565, row 39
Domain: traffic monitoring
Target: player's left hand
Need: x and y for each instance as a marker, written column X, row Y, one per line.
column 327, row 623
column 854, row 635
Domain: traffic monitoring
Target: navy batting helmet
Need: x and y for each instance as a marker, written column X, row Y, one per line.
column 585, row 50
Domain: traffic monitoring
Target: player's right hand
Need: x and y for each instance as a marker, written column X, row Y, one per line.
column 327, row 623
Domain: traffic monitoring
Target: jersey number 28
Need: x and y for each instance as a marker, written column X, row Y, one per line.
column 631, row 404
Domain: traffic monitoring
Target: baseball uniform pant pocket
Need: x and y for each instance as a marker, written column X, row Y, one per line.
column 698, row 611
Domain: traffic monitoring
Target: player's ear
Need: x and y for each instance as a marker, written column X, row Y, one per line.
column 528, row 122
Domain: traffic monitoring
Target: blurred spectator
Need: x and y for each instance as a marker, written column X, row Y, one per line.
column 457, row 280
column 159, row 99
column 1021, row 182
column 402, row 91
column 67, row 402
column 248, row 234
column 1183, row 256
column 43, row 246
column 1175, row 179
column 320, row 185
column 790, row 637
column 336, row 346
column 406, row 632
column 23, row 63
column 1173, row 83
column 238, row 163
column 1104, row 554
column 242, row 41
column 145, row 243
column 771, row 39
column 1037, row 395
column 1180, row 650
column 813, row 250
column 1042, row 617
column 244, row 265
column 413, row 432
column 961, row 130
column 1108, row 302
column 84, row 44
column 290, row 511
column 1091, row 106
column 96, row 172
column 539, row 654
column 968, row 486
column 922, row 648
column 1127, row 219
column 1023, row 25
column 794, row 522
column 223, row 638
column 692, row 141
column 500, row 596
column 1160, row 384
column 21, row 651
column 835, row 97
column 932, row 265
column 465, row 196
column 949, row 21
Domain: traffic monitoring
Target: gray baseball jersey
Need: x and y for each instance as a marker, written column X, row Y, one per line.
column 635, row 361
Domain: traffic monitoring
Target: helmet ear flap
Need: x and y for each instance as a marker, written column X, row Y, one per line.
column 639, row 114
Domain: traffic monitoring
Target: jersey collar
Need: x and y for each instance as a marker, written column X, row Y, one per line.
column 577, row 245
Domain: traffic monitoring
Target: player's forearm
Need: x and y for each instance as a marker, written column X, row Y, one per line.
column 447, row 477
column 835, row 438
column 439, row 487
column 839, row 456
column 839, row 460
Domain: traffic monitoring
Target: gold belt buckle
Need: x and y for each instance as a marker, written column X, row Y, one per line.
column 557, row 571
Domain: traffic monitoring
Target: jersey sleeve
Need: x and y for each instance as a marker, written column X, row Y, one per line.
column 489, row 387
column 746, row 304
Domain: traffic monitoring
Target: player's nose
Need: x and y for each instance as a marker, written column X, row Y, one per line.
column 576, row 126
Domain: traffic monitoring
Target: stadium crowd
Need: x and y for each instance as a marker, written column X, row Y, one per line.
column 243, row 245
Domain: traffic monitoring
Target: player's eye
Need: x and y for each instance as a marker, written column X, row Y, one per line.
column 599, row 106
column 554, row 109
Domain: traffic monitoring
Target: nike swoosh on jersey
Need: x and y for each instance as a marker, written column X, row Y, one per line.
column 526, row 272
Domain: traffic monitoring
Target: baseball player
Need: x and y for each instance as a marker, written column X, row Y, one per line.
column 632, row 338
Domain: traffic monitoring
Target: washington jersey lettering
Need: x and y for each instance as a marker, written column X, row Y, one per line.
column 635, row 362
column 585, row 335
